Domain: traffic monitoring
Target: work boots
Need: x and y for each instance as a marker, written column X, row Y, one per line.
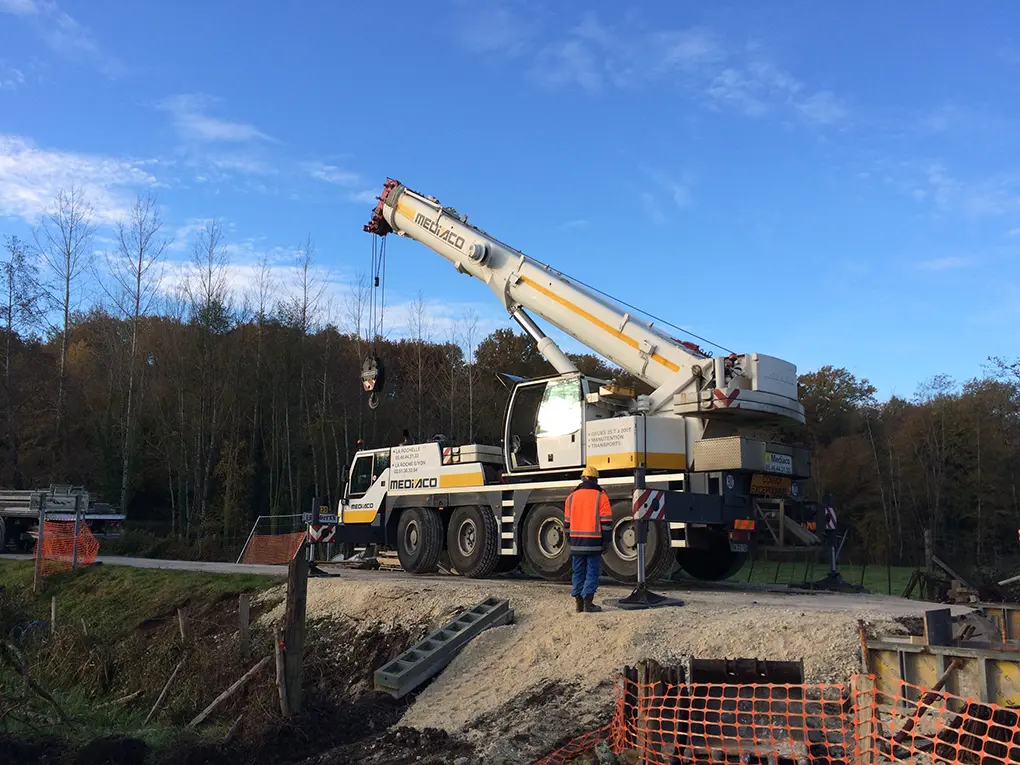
column 579, row 602
column 590, row 607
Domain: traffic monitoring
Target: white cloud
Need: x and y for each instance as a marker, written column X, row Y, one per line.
column 30, row 178
column 189, row 112
column 945, row 264
column 331, row 173
column 934, row 184
column 1013, row 232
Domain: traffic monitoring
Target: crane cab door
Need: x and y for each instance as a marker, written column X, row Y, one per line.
column 545, row 425
column 366, row 487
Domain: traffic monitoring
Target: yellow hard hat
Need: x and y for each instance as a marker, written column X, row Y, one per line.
column 590, row 472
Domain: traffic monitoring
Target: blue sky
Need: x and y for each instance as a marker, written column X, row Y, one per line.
column 790, row 178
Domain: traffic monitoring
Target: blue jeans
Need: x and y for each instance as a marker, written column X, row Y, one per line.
column 586, row 567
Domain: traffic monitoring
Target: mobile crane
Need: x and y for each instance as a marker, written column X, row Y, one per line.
column 487, row 506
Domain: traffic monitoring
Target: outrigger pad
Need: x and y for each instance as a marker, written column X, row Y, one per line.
column 643, row 598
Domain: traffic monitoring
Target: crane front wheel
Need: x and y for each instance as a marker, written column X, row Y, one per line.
column 546, row 547
column 619, row 559
column 472, row 541
column 420, row 540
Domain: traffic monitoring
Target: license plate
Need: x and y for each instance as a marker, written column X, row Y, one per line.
column 773, row 485
column 738, row 547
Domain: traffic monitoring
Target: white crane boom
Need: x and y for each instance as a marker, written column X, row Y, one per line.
column 743, row 386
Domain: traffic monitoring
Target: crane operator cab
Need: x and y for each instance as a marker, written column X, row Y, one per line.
column 564, row 422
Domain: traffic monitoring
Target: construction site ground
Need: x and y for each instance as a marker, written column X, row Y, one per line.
column 516, row 691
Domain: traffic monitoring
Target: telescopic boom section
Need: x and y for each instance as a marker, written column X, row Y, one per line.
column 683, row 376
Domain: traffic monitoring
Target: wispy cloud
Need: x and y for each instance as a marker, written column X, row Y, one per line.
column 331, row 173
column 945, row 264
column 593, row 56
column 30, row 178
column 11, row 78
column 1013, row 232
column 366, row 196
column 191, row 118
column 63, row 34
column 578, row 223
column 664, row 195
column 19, row 7
column 933, row 183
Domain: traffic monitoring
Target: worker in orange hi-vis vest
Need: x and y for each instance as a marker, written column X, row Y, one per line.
column 589, row 521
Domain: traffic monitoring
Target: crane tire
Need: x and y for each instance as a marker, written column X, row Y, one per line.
column 619, row 560
column 545, row 543
column 420, row 540
column 472, row 541
column 714, row 564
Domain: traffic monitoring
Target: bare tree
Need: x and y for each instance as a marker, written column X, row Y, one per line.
column 209, row 304
column 136, row 274
column 19, row 313
column 64, row 242
column 469, row 337
column 419, row 326
column 309, row 294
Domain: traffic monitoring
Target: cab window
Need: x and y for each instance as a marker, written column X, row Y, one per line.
column 361, row 476
column 560, row 413
column 382, row 461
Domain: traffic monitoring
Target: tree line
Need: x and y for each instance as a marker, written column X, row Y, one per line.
column 181, row 401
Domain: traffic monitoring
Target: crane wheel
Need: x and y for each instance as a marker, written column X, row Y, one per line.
column 619, row 559
column 420, row 540
column 714, row 564
column 472, row 541
column 546, row 547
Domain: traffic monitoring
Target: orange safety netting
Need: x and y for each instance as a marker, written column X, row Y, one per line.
column 804, row 724
column 59, row 543
column 273, row 549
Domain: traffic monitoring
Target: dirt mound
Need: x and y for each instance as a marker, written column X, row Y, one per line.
column 515, row 690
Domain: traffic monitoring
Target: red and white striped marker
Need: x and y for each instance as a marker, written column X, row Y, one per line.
column 649, row 504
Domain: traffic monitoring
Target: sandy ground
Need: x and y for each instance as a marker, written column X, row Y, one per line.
column 515, row 690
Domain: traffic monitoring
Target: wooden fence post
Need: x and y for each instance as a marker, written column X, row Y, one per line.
column 294, row 629
column 37, row 585
column 53, row 615
column 182, row 623
column 865, row 717
column 244, row 615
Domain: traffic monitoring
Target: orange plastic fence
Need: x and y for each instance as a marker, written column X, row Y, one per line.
column 273, row 549
column 800, row 724
column 59, row 544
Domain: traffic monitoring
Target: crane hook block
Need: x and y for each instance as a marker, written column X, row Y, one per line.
column 373, row 375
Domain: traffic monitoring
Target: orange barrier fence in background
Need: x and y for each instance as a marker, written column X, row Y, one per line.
column 59, row 546
column 272, row 549
column 800, row 724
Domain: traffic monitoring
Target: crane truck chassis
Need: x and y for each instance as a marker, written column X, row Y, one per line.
column 488, row 507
